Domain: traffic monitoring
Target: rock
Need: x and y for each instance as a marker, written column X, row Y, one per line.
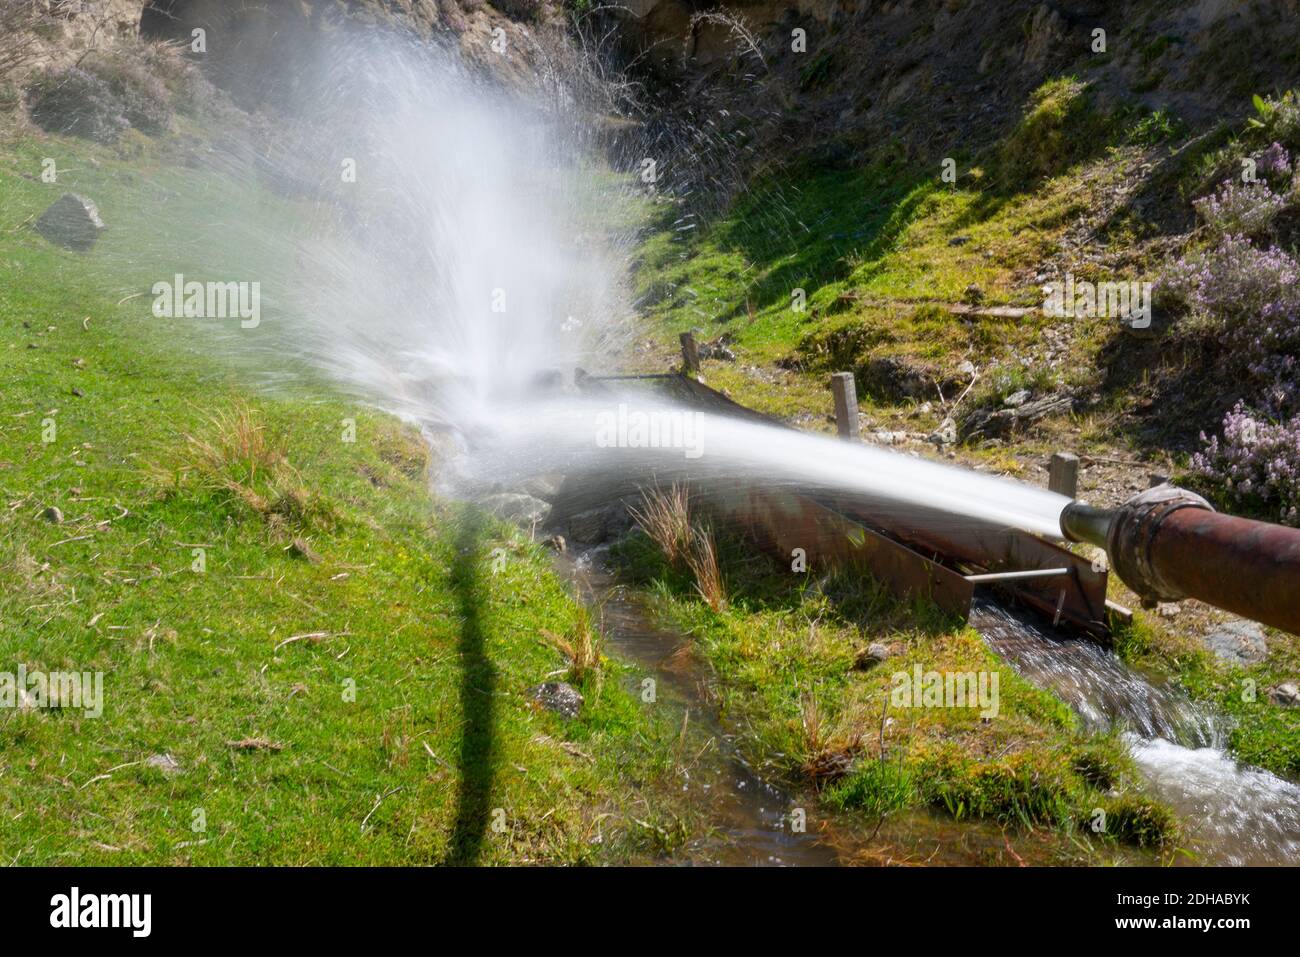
column 719, row 348
column 1045, row 33
column 889, row 438
column 959, row 241
column 518, row 508
column 53, row 515
column 967, row 368
column 557, row 696
column 1238, row 643
column 1016, row 399
column 946, row 434
column 595, row 524
column 1286, row 695
column 546, row 487
column 995, row 423
column 874, row 655
column 164, row 763
column 72, row 222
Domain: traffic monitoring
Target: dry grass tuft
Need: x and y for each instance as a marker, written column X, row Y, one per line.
column 702, row 558
column 666, row 518
column 581, row 647
column 828, row 749
column 236, row 455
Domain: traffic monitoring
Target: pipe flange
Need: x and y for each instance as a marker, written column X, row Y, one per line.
column 1131, row 534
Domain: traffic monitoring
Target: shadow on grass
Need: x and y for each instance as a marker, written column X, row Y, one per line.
column 477, row 695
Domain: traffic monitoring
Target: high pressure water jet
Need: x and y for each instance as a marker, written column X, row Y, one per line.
column 1168, row 544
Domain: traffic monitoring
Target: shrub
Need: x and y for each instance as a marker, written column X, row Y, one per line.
column 75, row 102
column 1256, row 463
column 1273, row 162
column 1244, row 297
column 191, row 93
column 1240, row 209
column 1278, row 118
column 146, row 101
column 18, row 21
column 1245, row 300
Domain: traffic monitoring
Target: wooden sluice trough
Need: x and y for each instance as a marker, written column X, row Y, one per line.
column 915, row 553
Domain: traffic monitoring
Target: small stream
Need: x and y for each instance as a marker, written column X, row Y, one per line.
column 750, row 824
column 749, row 816
column 1233, row 814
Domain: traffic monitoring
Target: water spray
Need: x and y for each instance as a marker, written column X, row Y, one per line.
column 1168, row 544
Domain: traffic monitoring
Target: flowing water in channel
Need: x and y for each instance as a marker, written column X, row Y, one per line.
column 1232, row 814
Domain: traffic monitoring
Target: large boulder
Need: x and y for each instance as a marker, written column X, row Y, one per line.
column 72, row 222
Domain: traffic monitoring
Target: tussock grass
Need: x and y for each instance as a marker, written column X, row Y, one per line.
column 666, row 517
column 580, row 646
column 686, row 542
column 702, row 558
column 236, row 456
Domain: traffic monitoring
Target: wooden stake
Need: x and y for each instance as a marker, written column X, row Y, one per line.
column 845, row 392
column 690, row 354
column 1063, row 474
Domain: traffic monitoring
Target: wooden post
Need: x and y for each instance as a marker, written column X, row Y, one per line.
column 690, row 354
column 845, row 392
column 1063, row 474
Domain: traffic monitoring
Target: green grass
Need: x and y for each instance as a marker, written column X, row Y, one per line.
column 399, row 731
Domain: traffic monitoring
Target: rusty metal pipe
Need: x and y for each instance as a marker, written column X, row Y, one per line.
column 1168, row 544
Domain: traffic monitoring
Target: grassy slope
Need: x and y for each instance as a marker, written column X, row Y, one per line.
column 441, row 648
